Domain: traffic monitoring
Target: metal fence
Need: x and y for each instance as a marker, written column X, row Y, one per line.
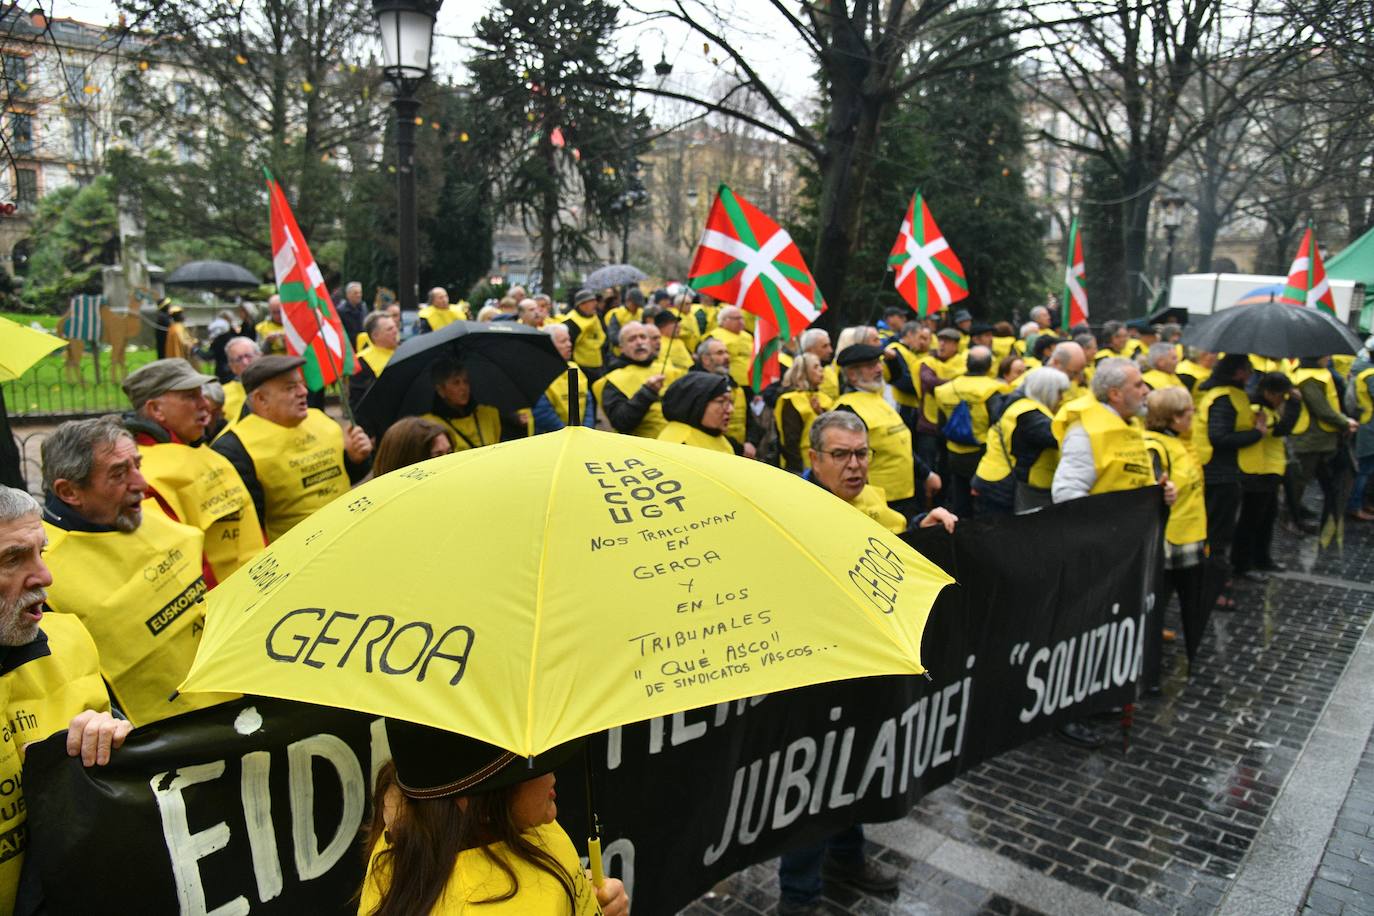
column 48, row 391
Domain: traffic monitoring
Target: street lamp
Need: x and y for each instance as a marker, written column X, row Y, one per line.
column 407, row 30
column 1173, row 218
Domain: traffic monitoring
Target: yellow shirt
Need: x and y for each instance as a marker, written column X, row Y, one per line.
column 475, row 878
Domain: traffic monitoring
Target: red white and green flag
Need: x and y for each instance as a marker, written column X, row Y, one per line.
column 312, row 326
column 746, row 259
column 928, row 273
column 1307, row 278
column 1075, row 306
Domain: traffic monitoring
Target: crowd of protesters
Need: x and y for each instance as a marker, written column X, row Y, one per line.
column 913, row 422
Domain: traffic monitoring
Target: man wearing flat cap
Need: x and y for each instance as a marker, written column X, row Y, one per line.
column 587, row 332
column 187, row 481
column 893, row 465
column 963, row 323
column 698, row 408
column 292, row 458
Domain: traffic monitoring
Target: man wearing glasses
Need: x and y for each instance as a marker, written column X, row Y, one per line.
column 240, row 353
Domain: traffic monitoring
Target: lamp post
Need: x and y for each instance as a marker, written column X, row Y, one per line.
column 407, row 30
column 1173, row 218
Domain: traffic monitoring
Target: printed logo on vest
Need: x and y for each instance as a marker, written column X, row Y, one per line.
column 159, row 622
column 320, row 477
column 13, row 842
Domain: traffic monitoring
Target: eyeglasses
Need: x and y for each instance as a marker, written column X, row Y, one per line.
column 842, row 455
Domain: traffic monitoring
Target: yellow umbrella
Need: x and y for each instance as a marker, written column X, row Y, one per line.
column 536, row 591
column 21, row 347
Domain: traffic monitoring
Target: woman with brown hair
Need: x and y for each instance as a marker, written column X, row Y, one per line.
column 408, row 441
column 460, row 823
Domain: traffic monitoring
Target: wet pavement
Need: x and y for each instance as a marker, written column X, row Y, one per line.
column 1170, row 824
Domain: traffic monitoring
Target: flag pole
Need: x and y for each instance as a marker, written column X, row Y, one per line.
column 663, row 366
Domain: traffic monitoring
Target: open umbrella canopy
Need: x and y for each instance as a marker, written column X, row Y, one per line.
column 536, row 591
column 1270, row 292
column 21, row 347
column 614, row 275
column 1271, row 329
column 211, row 275
column 509, row 366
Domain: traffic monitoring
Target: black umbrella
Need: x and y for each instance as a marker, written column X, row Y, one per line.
column 212, row 275
column 1272, row 329
column 509, row 366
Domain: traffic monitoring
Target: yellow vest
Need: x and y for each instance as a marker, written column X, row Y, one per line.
column 1362, row 396
column 830, row 381
column 139, row 594
column 439, row 318
column 801, row 403
column 1157, row 380
column 622, row 316
column 376, row 358
column 872, row 501
column 685, row 434
column 914, row 361
column 1329, row 386
column 266, row 328
column 299, row 468
column 204, row 491
column 479, row 428
column 741, row 347
column 1342, row 362
column 361, row 342
column 1268, row 455
column 1119, row 454
column 557, row 393
column 234, row 396
column 1245, row 418
column 679, row 355
column 591, row 336
column 688, row 334
column 998, row 462
column 1198, row 374
column 950, row 368
column 739, row 419
column 892, row 467
column 39, row 698
column 629, row 379
column 1001, row 349
column 1188, row 515
column 710, row 311
column 974, row 391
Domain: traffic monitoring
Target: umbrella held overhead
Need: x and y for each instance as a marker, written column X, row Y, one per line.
column 1272, row 329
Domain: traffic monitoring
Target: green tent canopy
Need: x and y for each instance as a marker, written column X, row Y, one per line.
column 1356, row 262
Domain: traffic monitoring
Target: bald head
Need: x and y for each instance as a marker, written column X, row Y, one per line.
column 1068, row 357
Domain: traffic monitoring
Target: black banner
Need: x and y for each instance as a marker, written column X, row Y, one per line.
column 257, row 805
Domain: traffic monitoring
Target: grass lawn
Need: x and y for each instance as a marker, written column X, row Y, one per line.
column 47, row 389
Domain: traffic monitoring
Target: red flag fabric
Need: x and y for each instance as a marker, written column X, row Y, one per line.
column 1307, row 278
column 1075, row 307
column 746, row 259
column 928, row 273
column 313, row 329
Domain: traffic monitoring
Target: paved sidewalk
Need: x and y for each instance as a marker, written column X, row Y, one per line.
column 1228, row 775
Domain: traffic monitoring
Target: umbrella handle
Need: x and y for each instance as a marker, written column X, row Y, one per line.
column 594, row 858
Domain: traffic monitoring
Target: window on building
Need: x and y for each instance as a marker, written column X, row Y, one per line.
column 183, row 98
column 74, row 77
column 26, row 188
column 21, row 134
column 185, row 149
column 81, row 138
column 16, row 75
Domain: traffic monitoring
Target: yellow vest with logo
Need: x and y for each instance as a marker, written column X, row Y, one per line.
column 591, row 336
column 741, row 347
column 234, row 396
column 1328, row 386
column 299, row 468
column 39, row 698
column 557, row 393
column 1245, row 418
column 1119, row 454
column 892, row 467
column 1268, row 455
column 376, row 358
column 204, row 491
column 439, row 318
column 1362, row 396
column 945, row 369
column 685, row 434
column 914, row 361
column 998, row 462
column 801, row 403
column 1157, row 380
column 974, row 391
column 479, row 428
column 1188, row 515
column 139, row 594
column 872, row 501
column 629, row 379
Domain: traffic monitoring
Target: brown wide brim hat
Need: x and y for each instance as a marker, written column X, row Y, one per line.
column 433, row 763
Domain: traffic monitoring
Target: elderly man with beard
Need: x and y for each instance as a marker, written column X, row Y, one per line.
column 49, row 678
column 188, row 481
column 629, row 394
column 133, row 578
